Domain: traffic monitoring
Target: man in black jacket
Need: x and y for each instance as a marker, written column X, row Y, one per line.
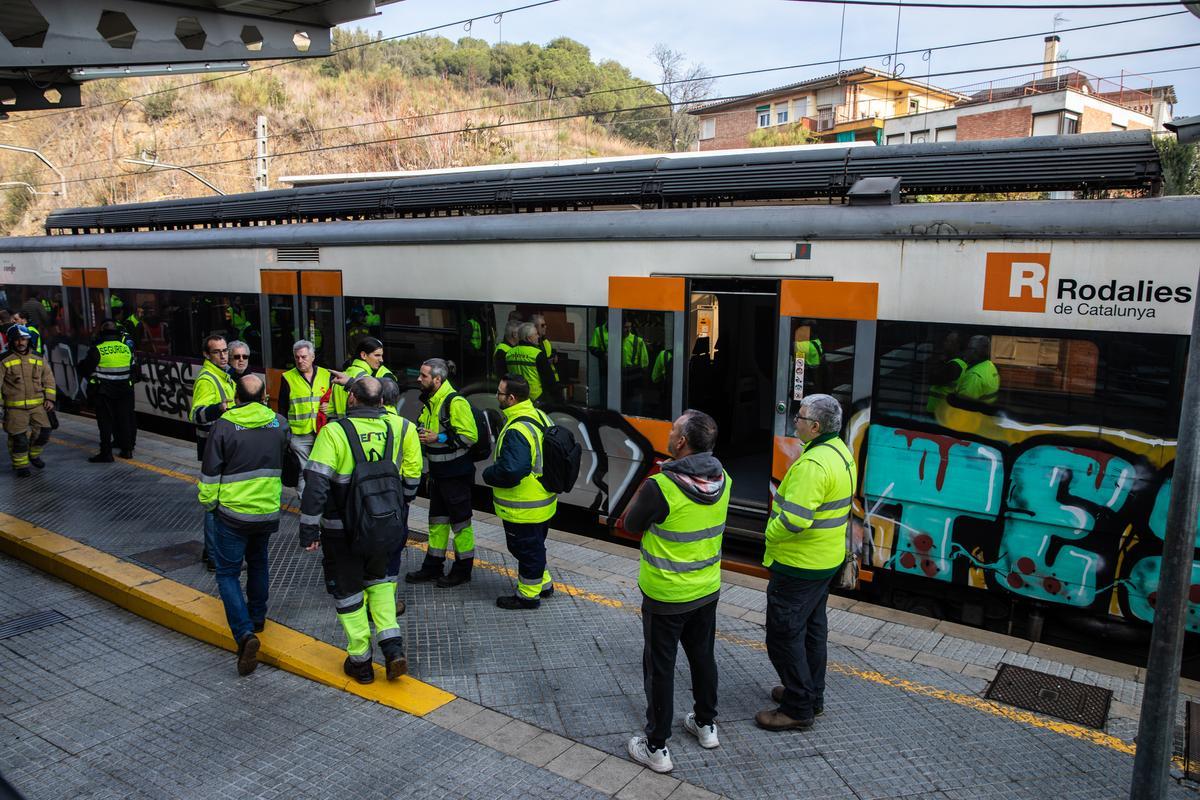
column 111, row 369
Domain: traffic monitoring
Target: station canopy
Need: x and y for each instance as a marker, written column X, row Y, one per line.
column 49, row 47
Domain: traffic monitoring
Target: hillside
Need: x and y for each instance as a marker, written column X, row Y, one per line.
column 422, row 85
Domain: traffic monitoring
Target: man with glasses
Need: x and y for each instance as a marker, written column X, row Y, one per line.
column 805, row 548
column 239, row 360
column 212, row 393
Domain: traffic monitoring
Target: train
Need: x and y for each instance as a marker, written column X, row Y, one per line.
column 1041, row 505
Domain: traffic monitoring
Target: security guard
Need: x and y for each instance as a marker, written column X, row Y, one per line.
column 510, row 340
column 300, row 393
column 368, row 361
column 521, row 502
column 528, row 361
column 109, row 368
column 358, row 583
column 980, row 381
column 212, row 394
column 806, row 546
column 451, row 476
column 27, row 386
column 240, row 483
column 680, row 513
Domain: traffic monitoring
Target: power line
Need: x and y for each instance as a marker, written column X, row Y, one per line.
column 632, row 87
column 577, row 115
column 996, row 6
column 491, row 15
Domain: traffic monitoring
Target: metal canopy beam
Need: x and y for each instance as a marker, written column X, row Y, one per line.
column 22, row 95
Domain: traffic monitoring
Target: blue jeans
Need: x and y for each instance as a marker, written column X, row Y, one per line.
column 797, row 636
column 228, row 548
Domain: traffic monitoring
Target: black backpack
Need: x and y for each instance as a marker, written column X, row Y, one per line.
column 484, row 441
column 374, row 512
column 560, row 457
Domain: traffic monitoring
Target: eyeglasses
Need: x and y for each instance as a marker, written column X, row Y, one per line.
column 240, row 358
column 503, row 394
column 218, row 352
column 804, row 419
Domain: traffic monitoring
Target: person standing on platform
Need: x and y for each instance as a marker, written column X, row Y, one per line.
column 680, row 513
column 109, row 368
column 410, row 473
column 300, row 396
column 239, row 360
column 241, row 486
column 511, row 339
column 528, row 361
column 447, row 434
column 522, row 503
column 356, row 569
column 27, row 387
column 368, row 361
column 36, row 345
column 212, row 394
column 806, row 546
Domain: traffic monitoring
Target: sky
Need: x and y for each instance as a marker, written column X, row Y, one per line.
column 736, row 35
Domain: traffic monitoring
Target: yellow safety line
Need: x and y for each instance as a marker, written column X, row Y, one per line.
column 911, row 687
column 202, row 616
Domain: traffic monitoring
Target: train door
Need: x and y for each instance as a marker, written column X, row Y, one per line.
column 301, row 304
column 827, row 346
column 85, row 303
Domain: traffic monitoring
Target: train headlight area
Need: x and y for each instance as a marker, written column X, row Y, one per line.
column 1010, row 373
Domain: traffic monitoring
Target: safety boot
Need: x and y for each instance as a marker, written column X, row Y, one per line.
column 23, row 472
column 396, row 664
column 361, row 671
column 100, row 458
column 514, row 602
column 457, row 575
column 424, row 574
column 37, row 462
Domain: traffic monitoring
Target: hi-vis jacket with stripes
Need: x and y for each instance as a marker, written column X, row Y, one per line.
column 449, row 456
column 241, row 478
column 806, row 532
column 26, row 381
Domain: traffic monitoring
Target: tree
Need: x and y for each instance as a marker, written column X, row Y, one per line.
column 1180, row 166
column 780, row 135
column 684, row 85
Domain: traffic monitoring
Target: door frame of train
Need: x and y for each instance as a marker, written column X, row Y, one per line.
column 822, row 299
column 300, row 284
column 639, row 293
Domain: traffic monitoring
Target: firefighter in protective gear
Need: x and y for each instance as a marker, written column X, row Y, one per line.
column 240, row 483
column 36, row 346
column 522, row 503
column 447, row 433
column 212, row 394
column 109, row 369
column 368, row 361
column 27, row 386
column 805, row 548
column 360, row 585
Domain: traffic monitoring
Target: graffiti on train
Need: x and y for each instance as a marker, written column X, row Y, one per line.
column 1052, row 518
column 165, row 385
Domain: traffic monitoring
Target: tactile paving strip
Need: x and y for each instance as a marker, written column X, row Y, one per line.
column 1051, row 695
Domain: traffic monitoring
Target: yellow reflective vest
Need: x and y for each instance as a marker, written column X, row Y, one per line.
column 304, row 399
column 681, row 556
column 806, row 530
column 528, row 501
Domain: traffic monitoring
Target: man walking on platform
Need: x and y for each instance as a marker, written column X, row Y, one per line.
column 109, row 368
column 212, row 394
column 522, row 503
column 680, row 513
column 806, row 546
column 27, row 386
column 302, row 393
column 447, row 429
column 241, row 485
column 339, row 477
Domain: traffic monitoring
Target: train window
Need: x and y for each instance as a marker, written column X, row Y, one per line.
column 822, row 360
column 281, row 311
column 1042, row 376
column 596, row 395
column 647, row 356
column 565, row 332
column 320, row 328
column 233, row 315
column 40, row 305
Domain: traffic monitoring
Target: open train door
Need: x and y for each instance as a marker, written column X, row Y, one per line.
column 301, row 304
column 826, row 346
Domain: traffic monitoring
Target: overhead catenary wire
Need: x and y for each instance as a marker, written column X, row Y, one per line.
column 990, row 6
column 578, row 115
column 636, row 87
column 298, row 59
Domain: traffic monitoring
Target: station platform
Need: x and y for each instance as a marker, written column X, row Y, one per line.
column 499, row 704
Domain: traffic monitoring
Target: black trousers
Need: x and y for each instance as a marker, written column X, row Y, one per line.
column 662, row 634
column 797, row 640
column 116, row 420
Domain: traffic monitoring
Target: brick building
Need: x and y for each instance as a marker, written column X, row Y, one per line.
column 848, row 106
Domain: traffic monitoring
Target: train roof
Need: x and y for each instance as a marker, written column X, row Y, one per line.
column 1145, row 218
column 1119, row 160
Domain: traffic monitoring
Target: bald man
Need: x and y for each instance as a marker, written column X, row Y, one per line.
column 241, row 483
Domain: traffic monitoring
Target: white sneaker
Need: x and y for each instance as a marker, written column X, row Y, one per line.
column 707, row 734
column 657, row 760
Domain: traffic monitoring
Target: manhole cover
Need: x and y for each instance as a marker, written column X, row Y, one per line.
column 175, row 556
column 15, row 626
column 1050, row 695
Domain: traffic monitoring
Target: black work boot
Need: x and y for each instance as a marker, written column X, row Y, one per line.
column 459, row 573
column 126, row 454
column 23, row 472
column 37, row 462
column 514, row 602
column 100, row 458
column 395, row 663
column 427, row 572
column 361, row 671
